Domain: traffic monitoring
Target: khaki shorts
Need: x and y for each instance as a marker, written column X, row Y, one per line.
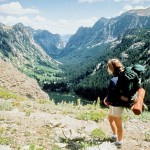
column 116, row 111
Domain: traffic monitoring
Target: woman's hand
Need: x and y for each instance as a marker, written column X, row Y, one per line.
column 105, row 102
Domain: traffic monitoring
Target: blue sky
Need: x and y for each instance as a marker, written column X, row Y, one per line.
column 64, row 16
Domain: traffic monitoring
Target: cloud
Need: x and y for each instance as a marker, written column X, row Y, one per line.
column 128, row 1
column 132, row 1
column 39, row 22
column 2, row 1
column 138, row 1
column 61, row 26
column 127, row 8
column 130, row 7
column 89, row 1
column 12, row 13
column 15, row 8
column 116, row 0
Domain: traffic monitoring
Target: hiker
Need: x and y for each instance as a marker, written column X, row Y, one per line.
column 125, row 90
column 115, row 67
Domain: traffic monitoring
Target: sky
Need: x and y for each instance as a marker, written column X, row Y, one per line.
column 63, row 16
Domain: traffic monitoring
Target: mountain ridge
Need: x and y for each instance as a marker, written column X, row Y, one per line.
column 18, row 47
column 105, row 29
column 141, row 12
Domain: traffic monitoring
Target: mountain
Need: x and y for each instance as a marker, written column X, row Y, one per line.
column 134, row 48
column 141, row 12
column 106, row 30
column 126, row 37
column 84, row 57
column 51, row 43
column 65, row 38
column 17, row 45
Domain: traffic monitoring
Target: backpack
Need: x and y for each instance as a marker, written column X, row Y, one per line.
column 129, row 81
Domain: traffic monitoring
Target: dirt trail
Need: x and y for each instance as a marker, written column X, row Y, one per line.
column 46, row 129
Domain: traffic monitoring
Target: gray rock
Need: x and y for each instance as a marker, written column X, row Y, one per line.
column 5, row 147
column 104, row 146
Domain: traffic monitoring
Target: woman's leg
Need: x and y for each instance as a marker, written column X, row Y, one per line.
column 112, row 124
column 118, row 123
column 115, row 120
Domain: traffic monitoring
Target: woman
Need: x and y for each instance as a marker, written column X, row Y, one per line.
column 115, row 67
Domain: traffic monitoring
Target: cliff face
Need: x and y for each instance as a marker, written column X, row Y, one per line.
column 17, row 82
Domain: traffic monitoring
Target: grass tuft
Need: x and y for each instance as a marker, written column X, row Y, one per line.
column 98, row 134
column 92, row 115
column 6, row 94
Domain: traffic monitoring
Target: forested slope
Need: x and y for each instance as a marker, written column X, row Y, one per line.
column 90, row 79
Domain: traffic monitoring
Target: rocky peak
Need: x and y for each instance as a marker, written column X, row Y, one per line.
column 105, row 30
column 101, row 23
column 1, row 24
column 22, row 32
column 51, row 43
column 140, row 12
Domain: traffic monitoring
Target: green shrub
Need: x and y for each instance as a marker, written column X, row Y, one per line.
column 147, row 136
column 4, row 105
column 98, row 134
column 5, row 140
column 6, row 94
column 43, row 101
column 35, row 147
column 92, row 115
column 2, row 130
column 32, row 147
column 55, row 147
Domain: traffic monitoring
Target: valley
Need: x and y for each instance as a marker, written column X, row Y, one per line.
column 77, row 63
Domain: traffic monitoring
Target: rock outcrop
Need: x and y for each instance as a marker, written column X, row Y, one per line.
column 15, row 81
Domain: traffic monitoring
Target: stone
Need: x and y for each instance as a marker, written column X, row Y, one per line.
column 5, row 147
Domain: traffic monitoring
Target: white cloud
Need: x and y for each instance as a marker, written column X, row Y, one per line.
column 70, row 26
column 130, row 7
column 127, row 8
column 39, row 22
column 132, row 1
column 11, row 20
column 116, row 0
column 89, row 1
column 2, row 1
column 138, row 1
column 15, row 8
column 87, row 22
column 14, row 12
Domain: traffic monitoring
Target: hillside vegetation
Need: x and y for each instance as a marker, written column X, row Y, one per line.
column 89, row 78
column 42, row 125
